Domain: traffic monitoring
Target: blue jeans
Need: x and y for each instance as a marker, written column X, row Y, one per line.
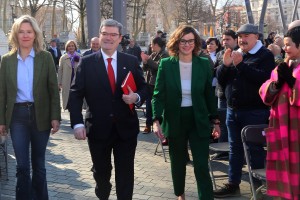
column 222, row 104
column 24, row 132
column 235, row 121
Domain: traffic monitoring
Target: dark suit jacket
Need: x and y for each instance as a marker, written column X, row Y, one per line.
column 105, row 108
column 88, row 52
column 56, row 59
column 167, row 96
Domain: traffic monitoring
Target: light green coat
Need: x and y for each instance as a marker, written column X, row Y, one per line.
column 167, row 96
column 45, row 89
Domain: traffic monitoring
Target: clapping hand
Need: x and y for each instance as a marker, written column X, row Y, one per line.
column 237, row 57
column 285, row 74
column 227, row 59
column 144, row 57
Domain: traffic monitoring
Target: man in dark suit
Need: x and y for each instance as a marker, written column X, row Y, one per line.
column 95, row 46
column 55, row 52
column 110, row 125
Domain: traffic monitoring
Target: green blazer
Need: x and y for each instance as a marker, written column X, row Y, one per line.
column 167, row 95
column 45, row 89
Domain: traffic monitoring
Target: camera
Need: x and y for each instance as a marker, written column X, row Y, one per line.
column 125, row 40
column 164, row 35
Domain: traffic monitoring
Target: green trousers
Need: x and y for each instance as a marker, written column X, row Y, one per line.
column 178, row 156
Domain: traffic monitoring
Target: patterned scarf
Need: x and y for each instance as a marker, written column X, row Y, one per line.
column 73, row 58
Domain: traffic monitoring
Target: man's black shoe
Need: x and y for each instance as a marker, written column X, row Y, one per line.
column 101, row 195
column 228, row 190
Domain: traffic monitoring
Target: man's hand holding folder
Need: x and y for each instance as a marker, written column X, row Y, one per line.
column 129, row 87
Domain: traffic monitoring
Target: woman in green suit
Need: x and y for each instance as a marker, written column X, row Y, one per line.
column 29, row 105
column 183, row 102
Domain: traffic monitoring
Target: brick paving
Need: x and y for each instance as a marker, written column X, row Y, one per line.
column 69, row 177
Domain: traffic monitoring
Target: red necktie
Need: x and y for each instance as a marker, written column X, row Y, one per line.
column 111, row 75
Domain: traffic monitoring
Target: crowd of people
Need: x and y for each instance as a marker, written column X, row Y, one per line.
column 183, row 82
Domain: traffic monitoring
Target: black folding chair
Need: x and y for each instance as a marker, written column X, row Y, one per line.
column 220, row 147
column 3, row 149
column 164, row 149
column 254, row 134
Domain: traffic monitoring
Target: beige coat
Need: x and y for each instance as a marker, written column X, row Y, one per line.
column 64, row 77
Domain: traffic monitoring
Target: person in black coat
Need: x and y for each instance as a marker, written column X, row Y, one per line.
column 55, row 52
column 242, row 73
column 110, row 125
column 95, row 46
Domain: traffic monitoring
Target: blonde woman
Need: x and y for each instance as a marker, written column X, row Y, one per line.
column 29, row 105
column 68, row 64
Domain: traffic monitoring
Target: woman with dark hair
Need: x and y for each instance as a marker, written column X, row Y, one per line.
column 282, row 93
column 213, row 46
column 184, row 107
column 270, row 39
column 29, row 105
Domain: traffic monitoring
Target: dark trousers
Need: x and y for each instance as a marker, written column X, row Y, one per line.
column 124, row 152
column 24, row 133
column 178, row 151
column 149, row 106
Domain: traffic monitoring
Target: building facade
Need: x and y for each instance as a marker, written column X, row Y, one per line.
column 273, row 21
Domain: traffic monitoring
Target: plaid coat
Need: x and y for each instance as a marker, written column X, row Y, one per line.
column 283, row 137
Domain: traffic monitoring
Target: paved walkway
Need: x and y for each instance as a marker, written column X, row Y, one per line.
column 69, row 176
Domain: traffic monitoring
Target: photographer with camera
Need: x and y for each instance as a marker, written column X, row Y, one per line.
column 161, row 35
column 134, row 49
column 150, row 66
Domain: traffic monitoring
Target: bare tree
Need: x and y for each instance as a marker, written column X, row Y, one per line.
column 31, row 7
column 53, row 24
column 106, row 9
column 136, row 8
column 4, row 18
column 80, row 7
column 36, row 5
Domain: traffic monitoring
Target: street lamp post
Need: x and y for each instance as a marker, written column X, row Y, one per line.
column 12, row 5
column 144, row 22
column 221, row 26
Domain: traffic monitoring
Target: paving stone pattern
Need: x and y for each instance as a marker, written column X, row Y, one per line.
column 69, row 176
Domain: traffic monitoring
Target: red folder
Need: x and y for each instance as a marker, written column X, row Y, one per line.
column 129, row 81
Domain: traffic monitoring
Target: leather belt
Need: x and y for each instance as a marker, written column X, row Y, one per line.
column 25, row 104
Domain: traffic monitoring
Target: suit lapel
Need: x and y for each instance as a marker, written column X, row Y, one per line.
column 37, row 69
column 101, row 71
column 121, row 70
column 13, row 69
column 195, row 73
column 176, row 72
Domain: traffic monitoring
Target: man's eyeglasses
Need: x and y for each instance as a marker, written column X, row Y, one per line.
column 184, row 42
column 110, row 34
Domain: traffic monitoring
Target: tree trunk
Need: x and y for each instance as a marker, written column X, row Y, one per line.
column 4, row 21
column 53, row 24
column 1, row 23
column 64, row 16
column 83, row 43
